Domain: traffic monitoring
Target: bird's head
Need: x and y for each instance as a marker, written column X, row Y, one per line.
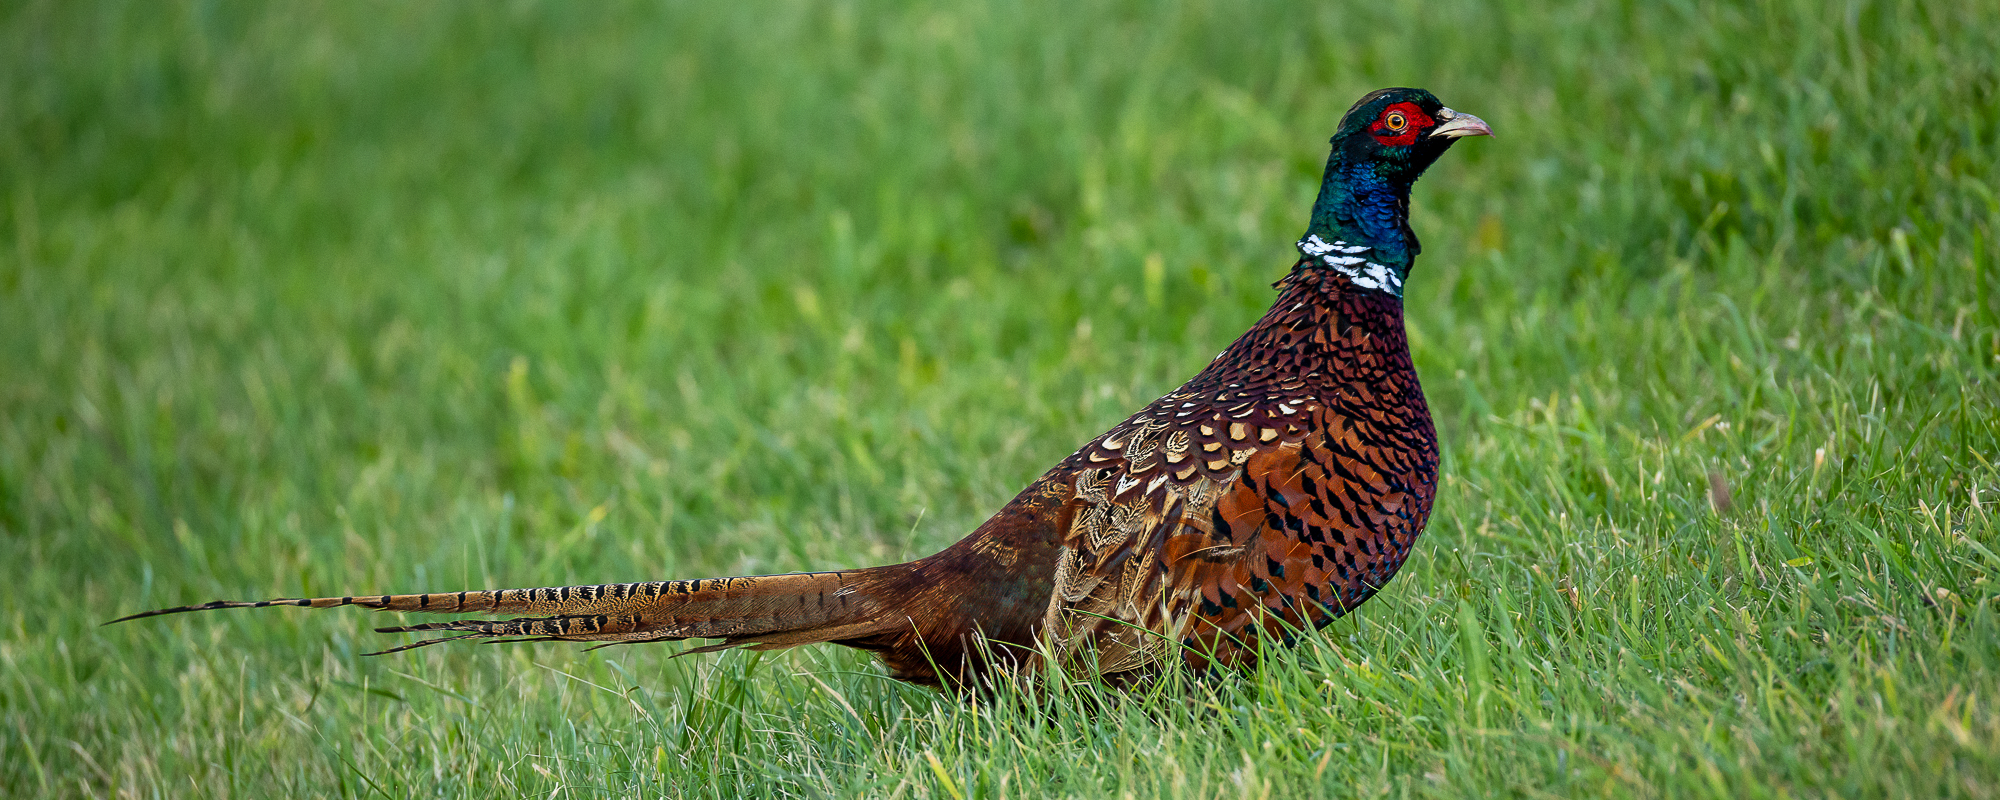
column 1360, row 224
column 1399, row 132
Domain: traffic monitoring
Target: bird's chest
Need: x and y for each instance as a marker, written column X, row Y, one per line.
column 1347, row 503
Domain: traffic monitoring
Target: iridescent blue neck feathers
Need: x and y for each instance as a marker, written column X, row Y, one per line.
column 1360, row 227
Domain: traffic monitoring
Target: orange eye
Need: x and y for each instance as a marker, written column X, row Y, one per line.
column 1395, row 122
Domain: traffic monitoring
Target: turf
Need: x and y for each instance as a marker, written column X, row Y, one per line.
column 313, row 298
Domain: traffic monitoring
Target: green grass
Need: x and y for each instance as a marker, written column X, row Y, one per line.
column 357, row 297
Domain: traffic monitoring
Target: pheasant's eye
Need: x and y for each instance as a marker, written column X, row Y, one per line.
column 1395, row 122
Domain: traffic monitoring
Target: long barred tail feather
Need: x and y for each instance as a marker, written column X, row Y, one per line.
column 764, row 611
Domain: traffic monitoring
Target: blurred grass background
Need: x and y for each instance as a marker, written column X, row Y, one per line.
column 320, row 298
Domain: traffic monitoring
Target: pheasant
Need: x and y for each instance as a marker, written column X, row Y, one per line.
column 1280, row 488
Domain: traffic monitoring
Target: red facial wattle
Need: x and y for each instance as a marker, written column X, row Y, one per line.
column 1415, row 122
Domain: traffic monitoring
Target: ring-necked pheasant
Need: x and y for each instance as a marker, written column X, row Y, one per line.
column 1281, row 487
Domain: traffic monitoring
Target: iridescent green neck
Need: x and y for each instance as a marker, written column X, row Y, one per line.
column 1360, row 227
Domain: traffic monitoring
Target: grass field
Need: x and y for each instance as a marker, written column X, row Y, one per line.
column 320, row 298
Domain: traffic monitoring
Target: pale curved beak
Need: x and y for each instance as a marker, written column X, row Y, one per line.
column 1457, row 124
